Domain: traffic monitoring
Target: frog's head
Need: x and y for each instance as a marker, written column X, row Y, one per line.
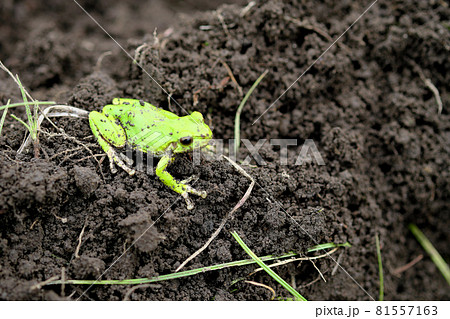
column 192, row 134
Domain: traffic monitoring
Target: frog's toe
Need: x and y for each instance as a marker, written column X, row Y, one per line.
column 202, row 194
column 116, row 158
column 189, row 179
column 189, row 203
column 127, row 169
column 112, row 167
column 126, row 159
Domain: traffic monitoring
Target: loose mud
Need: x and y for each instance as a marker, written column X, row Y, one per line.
column 364, row 104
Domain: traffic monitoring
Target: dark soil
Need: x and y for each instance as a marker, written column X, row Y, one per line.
column 364, row 104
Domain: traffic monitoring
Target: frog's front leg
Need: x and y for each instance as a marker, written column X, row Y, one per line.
column 109, row 135
column 179, row 187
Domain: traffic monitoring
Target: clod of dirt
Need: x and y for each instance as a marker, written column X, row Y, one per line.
column 140, row 226
column 94, row 91
column 38, row 183
column 87, row 267
column 86, row 180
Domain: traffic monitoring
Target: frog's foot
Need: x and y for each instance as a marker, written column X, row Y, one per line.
column 189, row 203
column 189, row 189
column 116, row 158
column 127, row 160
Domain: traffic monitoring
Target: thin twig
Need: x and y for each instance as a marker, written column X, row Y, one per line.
column 310, row 283
column 63, row 279
column 318, row 270
column 262, row 285
column 77, row 250
column 137, row 53
column 60, row 110
column 397, row 271
column 293, row 281
column 247, row 8
column 429, row 84
column 233, row 79
column 222, row 21
column 65, row 111
column 227, row 217
column 62, row 219
column 98, row 65
column 65, row 152
column 295, row 259
column 308, row 26
column 71, row 295
column 41, row 284
column 435, row 91
column 338, row 262
column 90, row 156
column 69, row 156
column 34, row 223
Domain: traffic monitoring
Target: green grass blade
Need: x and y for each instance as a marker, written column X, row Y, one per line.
column 434, row 254
column 267, row 269
column 22, row 122
column 35, row 116
column 237, row 119
column 380, row 268
column 23, row 104
column 328, row 246
column 2, row 121
column 31, row 122
column 180, row 274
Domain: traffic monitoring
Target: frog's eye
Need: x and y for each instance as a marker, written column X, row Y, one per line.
column 187, row 140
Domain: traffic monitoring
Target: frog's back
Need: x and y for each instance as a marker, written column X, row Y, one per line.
column 145, row 108
column 146, row 126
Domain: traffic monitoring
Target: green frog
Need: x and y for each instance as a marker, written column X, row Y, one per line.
column 150, row 129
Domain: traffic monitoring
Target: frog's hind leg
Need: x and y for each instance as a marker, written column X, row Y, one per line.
column 110, row 135
column 179, row 187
